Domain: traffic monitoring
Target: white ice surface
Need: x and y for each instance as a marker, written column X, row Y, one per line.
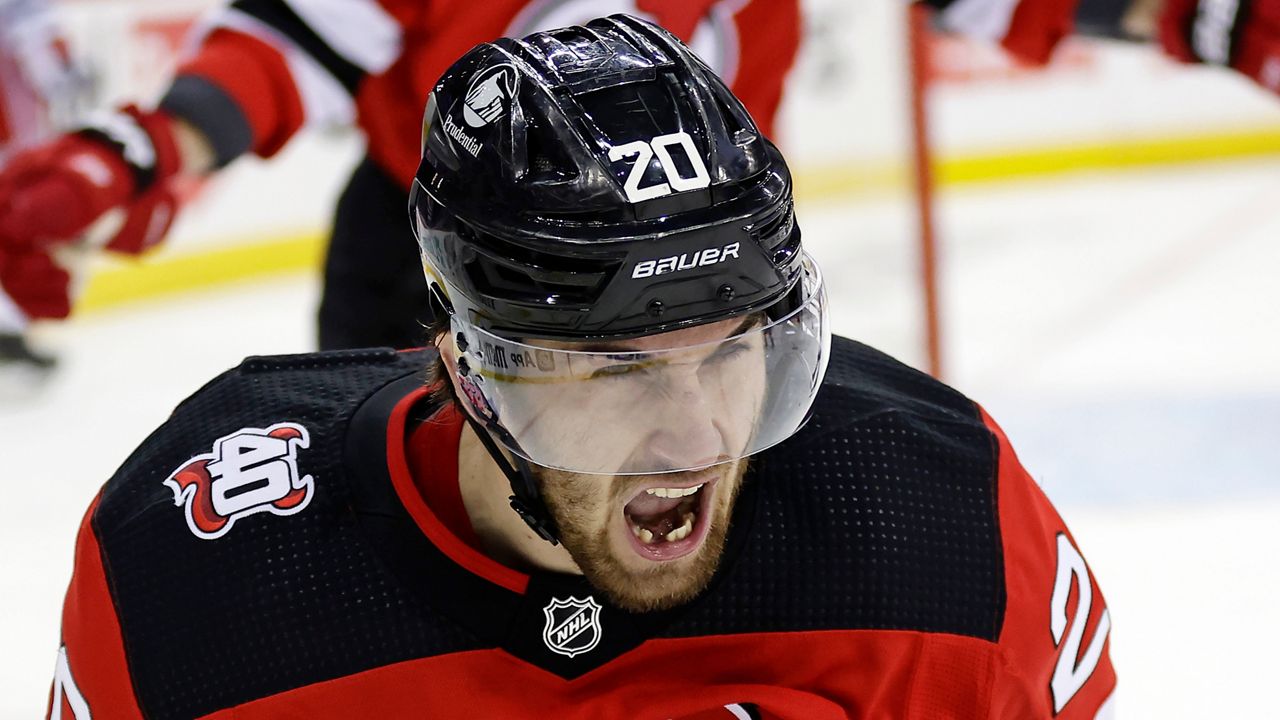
column 1124, row 329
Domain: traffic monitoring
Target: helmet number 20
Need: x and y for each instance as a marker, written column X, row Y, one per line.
column 661, row 147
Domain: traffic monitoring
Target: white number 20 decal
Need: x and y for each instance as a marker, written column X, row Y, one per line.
column 661, row 146
column 1069, row 675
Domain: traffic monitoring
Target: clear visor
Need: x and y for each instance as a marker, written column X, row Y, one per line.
column 681, row 400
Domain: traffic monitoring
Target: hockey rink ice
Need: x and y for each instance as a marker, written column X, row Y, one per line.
column 1124, row 328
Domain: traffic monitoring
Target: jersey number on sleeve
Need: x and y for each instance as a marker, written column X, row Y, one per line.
column 1072, row 671
column 66, row 692
column 661, row 146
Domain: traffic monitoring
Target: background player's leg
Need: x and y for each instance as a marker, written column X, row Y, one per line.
column 373, row 289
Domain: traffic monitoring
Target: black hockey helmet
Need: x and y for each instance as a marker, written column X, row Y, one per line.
column 614, row 243
column 596, row 182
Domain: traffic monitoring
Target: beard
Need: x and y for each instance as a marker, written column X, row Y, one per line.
column 587, row 510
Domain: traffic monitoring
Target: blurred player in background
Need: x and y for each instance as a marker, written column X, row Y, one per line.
column 644, row 481
column 266, row 68
column 41, row 88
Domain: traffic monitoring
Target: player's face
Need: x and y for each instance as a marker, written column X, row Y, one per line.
column 679, row 400
column 654, row 541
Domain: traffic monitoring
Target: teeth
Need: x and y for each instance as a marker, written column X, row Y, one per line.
column 647, row 536
column 683, row 531
column 674, row 492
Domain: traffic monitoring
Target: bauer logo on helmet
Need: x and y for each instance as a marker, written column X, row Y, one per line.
column 685, row 261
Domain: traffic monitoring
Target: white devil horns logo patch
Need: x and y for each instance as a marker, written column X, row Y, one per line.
column 249, row 471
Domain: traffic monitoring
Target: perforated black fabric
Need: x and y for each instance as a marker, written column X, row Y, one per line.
column 278, row 602
column 880, row 514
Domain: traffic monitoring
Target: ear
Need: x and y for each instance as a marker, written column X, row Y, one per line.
column 449, row 356
column 447, row 346
column 448, row 349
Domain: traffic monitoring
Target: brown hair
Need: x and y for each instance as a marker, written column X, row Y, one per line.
column 437, row 377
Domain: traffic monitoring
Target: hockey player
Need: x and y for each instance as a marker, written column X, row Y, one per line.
column 266, row 68
column 41, row 87
column 637, row 479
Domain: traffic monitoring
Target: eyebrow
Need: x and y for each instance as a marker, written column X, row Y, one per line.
column 616, row 352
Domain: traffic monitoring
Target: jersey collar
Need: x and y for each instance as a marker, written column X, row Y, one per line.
column 516, row 611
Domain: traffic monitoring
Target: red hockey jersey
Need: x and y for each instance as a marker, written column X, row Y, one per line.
column 267, row 554
column 286, row 63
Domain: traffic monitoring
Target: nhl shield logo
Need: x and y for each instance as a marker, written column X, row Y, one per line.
column 573, row 625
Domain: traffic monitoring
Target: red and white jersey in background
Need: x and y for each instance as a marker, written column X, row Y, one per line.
column 1029, row 29
column 33, row 69
column 290, row 63
column 287, row 63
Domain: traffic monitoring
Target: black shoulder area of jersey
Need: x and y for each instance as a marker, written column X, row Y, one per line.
column 879, row 514
column 264, row 581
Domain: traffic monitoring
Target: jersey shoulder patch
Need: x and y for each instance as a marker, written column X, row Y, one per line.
column 233, row 442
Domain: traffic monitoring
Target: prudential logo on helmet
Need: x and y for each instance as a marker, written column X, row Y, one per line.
column 684, row 261
column 488, row 95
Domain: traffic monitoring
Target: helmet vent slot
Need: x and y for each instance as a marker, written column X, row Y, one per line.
column 511, row 272
column 546, row 158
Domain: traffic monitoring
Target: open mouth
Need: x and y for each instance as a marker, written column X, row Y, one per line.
column 668, row 521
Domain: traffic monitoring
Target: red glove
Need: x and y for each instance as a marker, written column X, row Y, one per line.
column 1241, row 34
column 38, row 285
column 52, row 194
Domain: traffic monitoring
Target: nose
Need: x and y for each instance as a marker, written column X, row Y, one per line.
column 687, row 435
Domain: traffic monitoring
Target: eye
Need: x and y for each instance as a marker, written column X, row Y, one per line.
column 614, row 371
column 729, row 352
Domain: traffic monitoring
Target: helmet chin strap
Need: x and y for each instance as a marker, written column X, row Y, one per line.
column 525, row 498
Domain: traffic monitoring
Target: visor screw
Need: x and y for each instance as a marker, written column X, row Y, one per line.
column 656, row 308
column 725, row 293
column 464, row 367
column 462, row 342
